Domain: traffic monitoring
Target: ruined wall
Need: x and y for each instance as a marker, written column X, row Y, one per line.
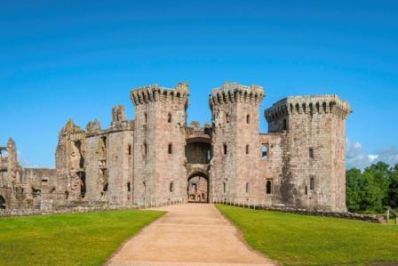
column 70, row 163
column 159, row 144
column 271, row 149
column 314, row 155
column 235, row 165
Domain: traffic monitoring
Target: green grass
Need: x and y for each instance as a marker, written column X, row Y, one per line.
column 308, row 240
column 68, row 239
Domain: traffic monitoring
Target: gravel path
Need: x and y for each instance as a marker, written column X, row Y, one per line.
column 189, row 234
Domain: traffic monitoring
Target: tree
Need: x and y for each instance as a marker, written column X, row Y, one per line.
column 393, row 188
column 354, row 177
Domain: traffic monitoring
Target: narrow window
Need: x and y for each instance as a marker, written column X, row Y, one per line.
column 306, row 190
column 145, row 149
column 247, row 149
column 312, row 183
column 284, row 124
column 145, row 118
column 311, row 153
column 248, row 119
column 227, row 117
column 225, row 149
column 268, row 187
column 171, row 187
column 170, row 150
column 247, row 187
column 129, row 149
column 224, row 187
column 169, row 118
column 128, row 186
column 264, row 151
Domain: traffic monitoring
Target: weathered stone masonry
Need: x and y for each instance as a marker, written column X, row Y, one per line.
column 158, row 159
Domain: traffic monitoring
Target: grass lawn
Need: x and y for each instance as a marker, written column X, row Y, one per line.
column 68, row 239
column 308, row 240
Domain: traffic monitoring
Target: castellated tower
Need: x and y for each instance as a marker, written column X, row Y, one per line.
column 159, row 144
column 313, row 139
column 234, row 174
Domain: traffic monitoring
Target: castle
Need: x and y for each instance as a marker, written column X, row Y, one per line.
column 157, row 159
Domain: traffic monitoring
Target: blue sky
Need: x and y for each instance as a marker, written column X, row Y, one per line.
column 62, row 59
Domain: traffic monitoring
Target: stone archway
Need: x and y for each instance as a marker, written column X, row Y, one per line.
column 198, row 188
column 2, row 203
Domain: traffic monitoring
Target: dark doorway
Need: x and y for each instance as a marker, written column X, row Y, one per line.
column 198, row 188
column 2, row 203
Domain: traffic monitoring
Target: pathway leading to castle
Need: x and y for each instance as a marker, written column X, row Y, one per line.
column 189, row 234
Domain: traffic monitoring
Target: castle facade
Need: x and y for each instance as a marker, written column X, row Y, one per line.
column 158, row 159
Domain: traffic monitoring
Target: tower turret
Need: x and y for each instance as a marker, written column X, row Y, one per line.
column 314, row 150
column 234, row 172
column 159, row 144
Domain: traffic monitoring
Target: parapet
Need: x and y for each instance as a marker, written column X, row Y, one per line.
column 153, row 93
column 232, row 92
column 313, row 105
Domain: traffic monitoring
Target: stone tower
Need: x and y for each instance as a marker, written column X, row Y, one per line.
column 234, row 168
column 313, row 139
column 12, row 169
column 159, row 144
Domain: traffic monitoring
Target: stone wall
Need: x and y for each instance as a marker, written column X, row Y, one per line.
column 343, row 215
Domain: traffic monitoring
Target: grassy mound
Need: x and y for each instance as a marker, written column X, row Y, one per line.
column 68, row 239
column 307, row 240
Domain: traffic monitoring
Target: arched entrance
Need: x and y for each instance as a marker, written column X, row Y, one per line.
column 2, row 203
column 198, row 188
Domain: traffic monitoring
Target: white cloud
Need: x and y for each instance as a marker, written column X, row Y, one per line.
column 358, row 157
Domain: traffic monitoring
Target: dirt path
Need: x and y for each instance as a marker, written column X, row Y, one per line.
column 190, row 234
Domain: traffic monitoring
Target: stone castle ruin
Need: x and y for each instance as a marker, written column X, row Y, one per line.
column 158, row 159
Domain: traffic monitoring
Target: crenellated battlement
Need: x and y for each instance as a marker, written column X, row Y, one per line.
column 312, row 105
column 154, row 93
column 232, row 92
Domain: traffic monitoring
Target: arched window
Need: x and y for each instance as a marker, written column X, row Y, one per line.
column 128, row 187
column 268, row 187
column 170, row 149
column 248, row 119
column 224, row 187
column 247, row 187
column 247, row 149
column 169, row 118
column 171, row 187
column 129, row 149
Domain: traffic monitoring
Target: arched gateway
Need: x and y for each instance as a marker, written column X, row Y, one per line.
column 198, row 153
column 198, row 188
